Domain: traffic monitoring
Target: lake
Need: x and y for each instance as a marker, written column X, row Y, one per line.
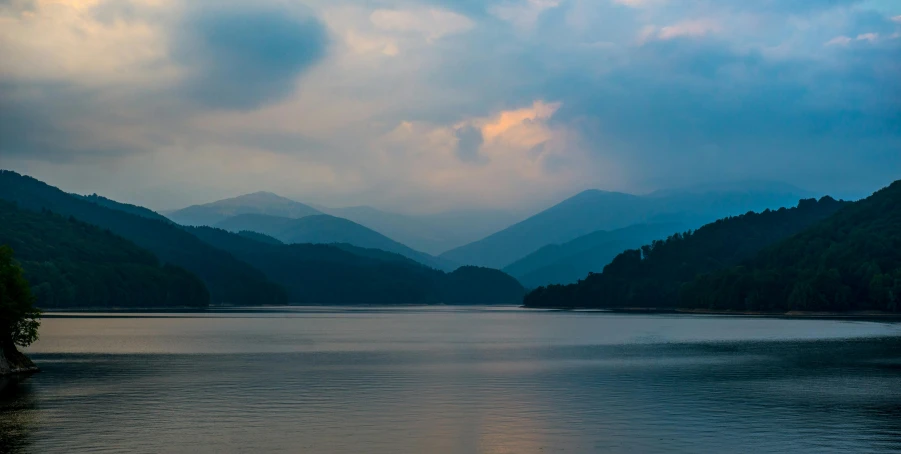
column 455, row 380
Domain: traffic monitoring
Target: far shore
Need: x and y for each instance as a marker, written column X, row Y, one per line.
column 861, row 315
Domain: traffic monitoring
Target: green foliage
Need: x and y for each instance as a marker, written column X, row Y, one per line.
column 229, row 281
column 346, row 274
column 653, row 275
column 73, row 264
column 851, row 261
column 259, row 237
column 128, row 208
column 19, row 318
column 76, row 263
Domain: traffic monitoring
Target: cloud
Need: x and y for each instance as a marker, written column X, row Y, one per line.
column 839, row 41
column 520, row 127
column 446, row 103
column 522, row 13
column 432, row 23
column 693, row 28
column 469, row 141
column 699, row 27
column 244, row 59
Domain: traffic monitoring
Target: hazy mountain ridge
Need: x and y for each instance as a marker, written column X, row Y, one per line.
column 125, row 207
column 594, row 210
column 568, row 262
column 256, row 203
column 248, row 268
column 228, row 280
column 346, row 274
column 653, row 275
column 326, row 229
column 430, row 233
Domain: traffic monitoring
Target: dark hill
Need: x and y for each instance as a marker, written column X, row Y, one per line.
column 568, row 262
column 347, row 274
column 653, row 275
column 229, row 281
column 73, row 264
column 593, row 210
column 128, row 208
column 850, row 261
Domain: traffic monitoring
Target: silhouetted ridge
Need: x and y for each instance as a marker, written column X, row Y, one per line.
column 653, row 275
column 850, row 261
column 346, row 274
column 126, row 207
column 73, row 264
column 592, row 211
column 228, row 280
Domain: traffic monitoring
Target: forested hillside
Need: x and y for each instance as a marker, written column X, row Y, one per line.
column 593, row 210
column 126, row 207
column 73, row 264
column 345, row 274
column 654, row 275
column 229, row 281
column 568, row 262
column 851, row 261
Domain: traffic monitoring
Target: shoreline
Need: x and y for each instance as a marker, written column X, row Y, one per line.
column 869, row 315
column 15, row 363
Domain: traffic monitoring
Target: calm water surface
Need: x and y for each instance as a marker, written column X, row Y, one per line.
column 446, row 380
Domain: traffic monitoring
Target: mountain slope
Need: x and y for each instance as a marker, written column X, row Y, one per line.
column 256, row 203
column 345, row 274
column 568, row 262
column 73, row 264
column 228, row 280
column 325, row 229
column 850, row 261
column 654, row 275
column 593, row 210
column 125, row 207
column 430, row 233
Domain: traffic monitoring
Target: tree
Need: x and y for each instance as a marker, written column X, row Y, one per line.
column 19, row 319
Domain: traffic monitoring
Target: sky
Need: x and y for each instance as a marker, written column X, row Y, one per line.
column 445, row 104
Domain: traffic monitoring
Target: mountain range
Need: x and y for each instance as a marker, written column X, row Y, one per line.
column 655, row 274
column 326, row 229
column 568, row 262
column 593, row 210
column 115, row 248
column 266, row 203
column 429, row 233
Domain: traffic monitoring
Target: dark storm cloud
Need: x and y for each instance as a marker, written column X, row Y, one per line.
column 243, row 59
column 804, row 91
column 683, row 110
column 30, row 122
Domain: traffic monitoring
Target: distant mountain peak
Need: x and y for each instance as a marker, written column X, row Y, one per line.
column 261, row 202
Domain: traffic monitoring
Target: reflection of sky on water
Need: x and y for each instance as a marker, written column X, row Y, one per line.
column 459, row 382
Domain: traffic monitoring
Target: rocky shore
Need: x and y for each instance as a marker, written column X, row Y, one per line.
column 13, row 361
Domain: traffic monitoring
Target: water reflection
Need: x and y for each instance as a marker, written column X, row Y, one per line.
column 18, row 406
column 464, row 382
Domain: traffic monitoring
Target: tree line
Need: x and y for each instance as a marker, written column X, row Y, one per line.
column 654, row 275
